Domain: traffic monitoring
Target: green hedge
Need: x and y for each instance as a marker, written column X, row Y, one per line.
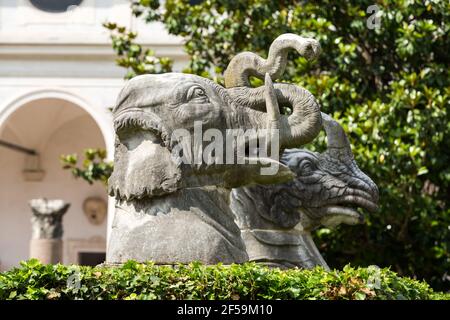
column 33, row 280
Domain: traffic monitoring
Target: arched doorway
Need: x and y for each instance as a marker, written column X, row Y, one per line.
column 52, row 126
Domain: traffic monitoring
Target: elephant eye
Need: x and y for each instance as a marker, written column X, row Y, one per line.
column 306, row 167
column 197, row 93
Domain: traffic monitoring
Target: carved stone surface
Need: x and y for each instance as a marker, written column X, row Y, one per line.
column 276, row 220
column 172, row 211
column 46, row 250
column 95, row 209
column 47, row 229
column 47, row 216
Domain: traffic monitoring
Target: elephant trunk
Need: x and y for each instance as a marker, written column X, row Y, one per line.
column 305, row 122
column 299, row 128
column 247, row 64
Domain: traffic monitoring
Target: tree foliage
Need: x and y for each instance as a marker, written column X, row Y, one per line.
column 388, row 86
column 94, row 167
column 132, row 56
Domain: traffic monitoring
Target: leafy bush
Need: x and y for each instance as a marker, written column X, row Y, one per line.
column 388, row 86
column 32, row 280
column 95, row 167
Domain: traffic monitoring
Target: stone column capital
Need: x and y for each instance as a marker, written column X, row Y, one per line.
column 47, row 218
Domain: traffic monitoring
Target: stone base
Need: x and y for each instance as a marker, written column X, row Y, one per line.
column 282, row 249
column 190, row 225
column 46, row 250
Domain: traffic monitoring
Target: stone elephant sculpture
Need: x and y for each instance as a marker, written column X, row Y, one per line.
column 276, row 220
column 170, row 211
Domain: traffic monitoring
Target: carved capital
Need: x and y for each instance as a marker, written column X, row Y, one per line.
column 47, row 218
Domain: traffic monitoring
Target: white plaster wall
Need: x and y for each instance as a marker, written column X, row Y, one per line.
column 64, row 134
column 21, row 22
column 34, row 43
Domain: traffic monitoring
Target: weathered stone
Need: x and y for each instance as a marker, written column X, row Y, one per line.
column 47, row 250
column 170, row 210
column 47, row 218
column 276, row 220
column 47, row 229
column 95, row 209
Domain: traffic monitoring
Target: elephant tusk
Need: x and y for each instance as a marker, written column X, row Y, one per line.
column 273, row 114
column 272, row 109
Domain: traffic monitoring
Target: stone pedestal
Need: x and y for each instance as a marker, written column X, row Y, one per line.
column 46, row 250
column 47, row 229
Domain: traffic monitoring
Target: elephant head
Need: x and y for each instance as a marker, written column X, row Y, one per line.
column 170, row 210
column 152, row 108
column 276, row 220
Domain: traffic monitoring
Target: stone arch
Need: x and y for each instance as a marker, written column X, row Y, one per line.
column 15, row 212
column 97, row 113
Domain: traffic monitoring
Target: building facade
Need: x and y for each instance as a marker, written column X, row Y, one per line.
column 58, row 80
